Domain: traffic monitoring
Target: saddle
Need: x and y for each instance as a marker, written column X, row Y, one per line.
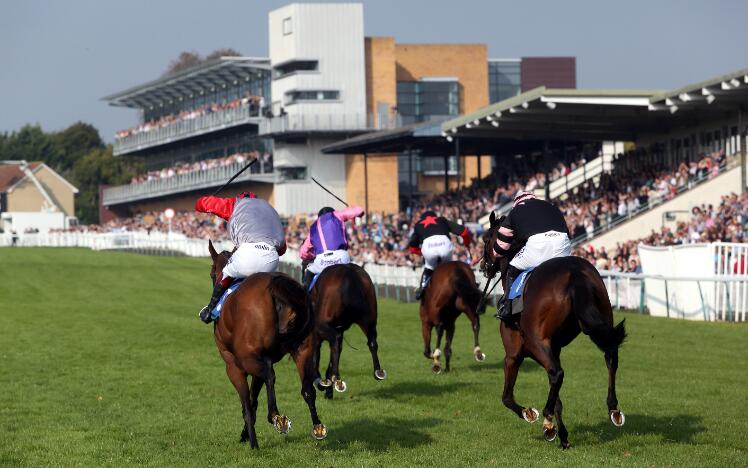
column 516, row 291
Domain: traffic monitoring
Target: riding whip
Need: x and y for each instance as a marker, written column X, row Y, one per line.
column 326, row 190
column 234, row 177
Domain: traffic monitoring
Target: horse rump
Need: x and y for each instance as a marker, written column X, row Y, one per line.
column 293, row 309
column 464, row 283
column 591, row 305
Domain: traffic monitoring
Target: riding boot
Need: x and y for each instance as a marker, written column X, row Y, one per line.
column 307, row 280
column 425, row 277
column 504, row 307
column 218, row 289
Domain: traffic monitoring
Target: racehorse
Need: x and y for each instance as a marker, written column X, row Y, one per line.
column 451, row 291
column 267, row 317
column 562, row 297
column 341, row 296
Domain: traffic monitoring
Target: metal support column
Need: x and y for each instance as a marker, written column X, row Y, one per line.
column 741, row 136
column 366, row 185
column 546, row 163
column 410, row 177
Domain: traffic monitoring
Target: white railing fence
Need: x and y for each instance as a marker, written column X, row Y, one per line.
column 721, row 296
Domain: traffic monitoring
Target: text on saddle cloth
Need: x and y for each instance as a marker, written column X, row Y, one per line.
column 517, row 287
column 216, row 312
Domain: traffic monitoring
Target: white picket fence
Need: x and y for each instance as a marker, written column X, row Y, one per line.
column 720, row 294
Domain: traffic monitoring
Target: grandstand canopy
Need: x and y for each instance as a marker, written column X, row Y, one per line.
column 725, row 92
column 208, row 75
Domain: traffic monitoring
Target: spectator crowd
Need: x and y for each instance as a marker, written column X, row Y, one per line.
column 206, row 164
column 255, row 102
column 383, row 238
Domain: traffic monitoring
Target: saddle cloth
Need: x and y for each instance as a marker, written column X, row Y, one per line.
column 216, row 312
column 518, row 285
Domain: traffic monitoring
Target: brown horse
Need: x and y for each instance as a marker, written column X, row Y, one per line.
column 344, row 295
column 452, row 291
column 267, row 317
column 563, row 297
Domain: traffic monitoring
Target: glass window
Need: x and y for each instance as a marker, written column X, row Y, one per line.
column 312, row 95
column 418, row 101
column 288, row 68
column 504, row 79
column 287, row 28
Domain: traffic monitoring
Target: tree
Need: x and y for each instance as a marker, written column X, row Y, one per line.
column 99, row 167
column 223, row 52
column 184, row 61
column 29, row 143
column 72, row 144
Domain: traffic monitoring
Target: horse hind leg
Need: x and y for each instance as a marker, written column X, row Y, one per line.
column 426, row 329
column 335, row 352
column 448, row 345
column 550, row 361
column 370, row 330
column 616, row 416
column 238, row 378
column 512, row 364
column 306, row 364
column 475, row 325
column 563, row 434
column 279, row 421
column 436, row 366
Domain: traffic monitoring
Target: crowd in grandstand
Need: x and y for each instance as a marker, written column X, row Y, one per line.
column 631, row 189
column 206, row 164
column 167, row 120
column 726, row 222
column 383, row 238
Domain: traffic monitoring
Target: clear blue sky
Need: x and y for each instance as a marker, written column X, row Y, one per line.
column 57, row 59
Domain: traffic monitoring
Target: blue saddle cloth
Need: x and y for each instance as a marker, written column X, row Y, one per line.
column 519, row 283
column 216, row 312
column 313, row 282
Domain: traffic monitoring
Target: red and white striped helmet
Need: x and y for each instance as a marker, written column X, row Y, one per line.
column 522, row 196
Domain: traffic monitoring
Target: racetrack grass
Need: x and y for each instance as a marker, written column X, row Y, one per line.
column 104, row 362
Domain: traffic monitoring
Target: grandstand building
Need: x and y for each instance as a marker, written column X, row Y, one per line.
column 322, row 82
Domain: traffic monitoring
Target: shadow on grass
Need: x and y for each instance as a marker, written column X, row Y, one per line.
column 679, row 429
column 422, row 389
column 382, row 434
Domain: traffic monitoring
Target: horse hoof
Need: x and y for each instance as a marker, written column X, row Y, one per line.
column 530, row 414
column 340, row 386
column 324, row 383
column 550, row 433
column 319, row 431
column 617, row 418
column 565, row 445
column 281, row 424
column 380, row 374
column 480, row 357
column 436, row 369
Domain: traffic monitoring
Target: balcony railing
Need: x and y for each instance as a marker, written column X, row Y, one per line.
column 262, row 171
column 289, row 123
column 247, row 113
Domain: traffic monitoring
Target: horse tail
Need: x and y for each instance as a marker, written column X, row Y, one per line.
column 464, row 283
column 292, row 306
column 590, row 303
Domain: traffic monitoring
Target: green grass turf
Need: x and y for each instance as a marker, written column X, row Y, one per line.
column 104, row 362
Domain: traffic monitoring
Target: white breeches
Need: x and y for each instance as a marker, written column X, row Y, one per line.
column 542, row 247
column 435, row 250
column 331, row 257
column 251, row 258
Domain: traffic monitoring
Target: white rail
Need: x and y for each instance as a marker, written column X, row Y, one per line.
column 722, row 296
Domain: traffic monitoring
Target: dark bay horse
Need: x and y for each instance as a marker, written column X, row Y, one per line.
column 342, row 296
column 267, row 317
column 563, row 297
column 452, row 291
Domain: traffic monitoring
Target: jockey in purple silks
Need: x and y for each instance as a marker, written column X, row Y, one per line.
column 327, row 243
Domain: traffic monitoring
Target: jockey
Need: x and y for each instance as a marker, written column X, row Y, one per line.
column 256, row 231
column 326, row 243
column 430, row 238
column 537, row 231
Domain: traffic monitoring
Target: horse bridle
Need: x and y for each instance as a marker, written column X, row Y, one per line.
column 489, row 268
